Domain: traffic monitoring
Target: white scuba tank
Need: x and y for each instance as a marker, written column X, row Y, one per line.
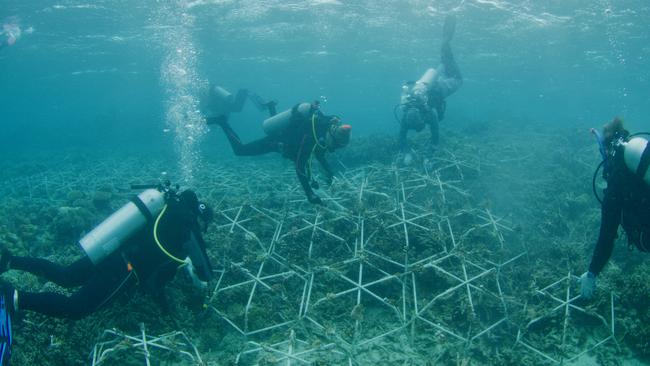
column 108, row 236
column 423, row 85
column 278, row 123
column 632, row 153
column 219, row 101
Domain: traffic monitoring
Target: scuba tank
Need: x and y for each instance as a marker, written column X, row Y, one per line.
column 417, row 91
column 278, row 123
column 637, row 157
column 108, row 236
column 422, row 86
column 414, row 100
column 220, row 101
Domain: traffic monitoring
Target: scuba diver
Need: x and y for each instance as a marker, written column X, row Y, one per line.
column 140, row 245
column 423, row 102
column 299, row 134
column 626, row 199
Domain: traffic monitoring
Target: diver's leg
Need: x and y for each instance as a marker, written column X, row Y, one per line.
column 97, row 291
column 66, row 276
column 451, row 79
column 258, row 147
column 448, row 28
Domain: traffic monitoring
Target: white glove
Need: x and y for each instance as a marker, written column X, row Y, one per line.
column 587, row 285
column 191, row 271
column 408, row 159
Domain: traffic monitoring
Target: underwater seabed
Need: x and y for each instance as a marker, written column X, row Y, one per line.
column 471, row 258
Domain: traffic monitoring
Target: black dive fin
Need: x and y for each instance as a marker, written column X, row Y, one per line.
column 257, row 100
column 449, row 28
column 262, row 105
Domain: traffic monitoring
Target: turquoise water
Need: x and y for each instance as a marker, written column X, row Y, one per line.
column 93, row 71
column 118, row 84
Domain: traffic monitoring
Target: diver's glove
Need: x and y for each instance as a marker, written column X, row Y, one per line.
column 587, row 285
column 314, row 184
column 313, row 198
column 191, row 271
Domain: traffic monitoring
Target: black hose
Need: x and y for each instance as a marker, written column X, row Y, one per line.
column 162, row 186
column 593, row 182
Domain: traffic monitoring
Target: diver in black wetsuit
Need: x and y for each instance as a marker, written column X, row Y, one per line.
column 423, row 102
column 149, row 259
column 626, row 200
column 299, row 134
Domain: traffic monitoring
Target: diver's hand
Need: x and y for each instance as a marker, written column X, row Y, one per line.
column 191, row 271
column 587, row 285
column 314, row 184
column 313, row 198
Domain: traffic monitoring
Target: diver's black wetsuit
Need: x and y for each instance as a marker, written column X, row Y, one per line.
column 296, row 143
column 433, row 110
column 140, row 262
column 626, row 202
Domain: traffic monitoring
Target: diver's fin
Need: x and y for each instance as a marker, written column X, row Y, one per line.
column 449, row 28
column 262, row 105
column 271, row 107
column 6, row 337
column 257, row 100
